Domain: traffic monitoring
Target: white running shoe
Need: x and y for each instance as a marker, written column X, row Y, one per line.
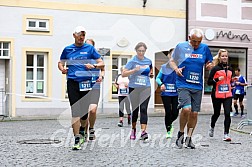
column 211, row 132
column 226, row 137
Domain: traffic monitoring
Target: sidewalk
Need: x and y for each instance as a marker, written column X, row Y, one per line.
column 159, row 112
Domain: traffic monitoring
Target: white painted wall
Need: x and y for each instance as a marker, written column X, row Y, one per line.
column 106, row 29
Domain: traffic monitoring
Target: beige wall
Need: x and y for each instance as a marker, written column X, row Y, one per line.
column 226, row 16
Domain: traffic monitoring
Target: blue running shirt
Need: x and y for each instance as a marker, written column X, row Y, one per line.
column 193, row 60
column 95, row 75
column 167, row 76
column 141, row 77
column 239, row 89
column 75, row 58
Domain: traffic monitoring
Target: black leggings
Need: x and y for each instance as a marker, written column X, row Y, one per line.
column 171, row 110
column 140, row 96
column 227, row 104
column 123, row 100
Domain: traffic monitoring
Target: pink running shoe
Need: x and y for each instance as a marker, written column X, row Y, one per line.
column 133, row 134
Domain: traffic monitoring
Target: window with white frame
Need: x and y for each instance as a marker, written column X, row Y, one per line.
column 36, row 74
column 37, row 25
column 4, row 49
column 117, row 62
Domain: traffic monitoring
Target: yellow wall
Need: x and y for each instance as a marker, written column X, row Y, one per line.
column 93, row 8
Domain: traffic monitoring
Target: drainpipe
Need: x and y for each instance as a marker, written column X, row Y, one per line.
column 187, row 18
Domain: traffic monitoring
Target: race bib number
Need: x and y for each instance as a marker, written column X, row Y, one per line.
column 237, row 91
column 223, row 88
column 85, row 85
column 141, row 80
column 193, row 77
column 170, row 88
column 123, row 91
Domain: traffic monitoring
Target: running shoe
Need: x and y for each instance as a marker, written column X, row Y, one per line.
column 188, row 143
column 91, row 134
column 77, row 143
column 226, row 137
column 231, row 114
column 169, row 134
column 133, row 134
column 144, row 136
column 235, row 114
column 243, row 116
column 211, row 132
column 180, row 139
column 120, row 124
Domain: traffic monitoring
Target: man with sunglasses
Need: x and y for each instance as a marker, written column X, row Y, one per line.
column 188, row 60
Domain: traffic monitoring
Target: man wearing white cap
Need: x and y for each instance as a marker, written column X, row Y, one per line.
column 77, row 58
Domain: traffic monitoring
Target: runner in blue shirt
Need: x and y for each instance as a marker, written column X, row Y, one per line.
column 97, row 77
column 139, row 71
column 188, row 60
column 166, row 79
column 239, row 91
column 77, row 60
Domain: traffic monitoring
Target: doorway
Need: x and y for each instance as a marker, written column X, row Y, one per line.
column 160, row 58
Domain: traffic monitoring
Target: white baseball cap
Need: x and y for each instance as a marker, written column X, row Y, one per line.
column 79, row 29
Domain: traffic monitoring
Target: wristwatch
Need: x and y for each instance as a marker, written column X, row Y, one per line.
column 95, row 65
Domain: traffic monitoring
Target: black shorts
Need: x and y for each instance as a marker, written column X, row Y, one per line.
column 240, row 97
column 79, row 100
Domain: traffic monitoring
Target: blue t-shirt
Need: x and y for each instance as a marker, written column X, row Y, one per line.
column 193, row 60
column 141, row 77
column 95, row 75
column 239, row 89
column 167, row 76
column 76, row 57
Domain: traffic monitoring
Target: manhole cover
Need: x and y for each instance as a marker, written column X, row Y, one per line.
column 204, row 145
column 105, row 128
column 39, row 141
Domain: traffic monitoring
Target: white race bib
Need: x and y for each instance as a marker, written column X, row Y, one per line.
column 85, row 85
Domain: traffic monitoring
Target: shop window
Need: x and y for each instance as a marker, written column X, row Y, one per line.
column 237, row 58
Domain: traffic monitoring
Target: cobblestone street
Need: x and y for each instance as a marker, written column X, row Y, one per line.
column 112, row 146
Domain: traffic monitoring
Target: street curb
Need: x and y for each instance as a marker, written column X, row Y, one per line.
column 99, row 115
